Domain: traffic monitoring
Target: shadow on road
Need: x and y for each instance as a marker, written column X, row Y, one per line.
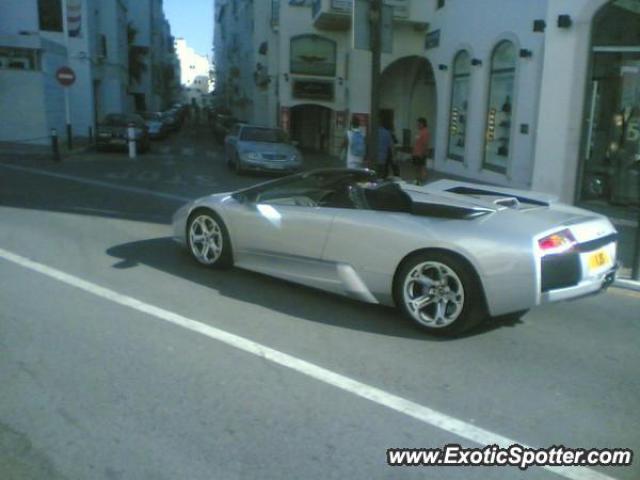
column 313, row 305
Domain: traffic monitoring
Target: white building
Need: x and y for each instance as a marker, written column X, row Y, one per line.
column 195, row 73
column 153, row 44
column 292, row 64
column 95, row 49
column 33, row 47
column 542, row 95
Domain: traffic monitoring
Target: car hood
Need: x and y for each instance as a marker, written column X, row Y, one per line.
column 267, row 147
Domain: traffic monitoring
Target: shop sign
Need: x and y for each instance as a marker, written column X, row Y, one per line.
column 313, row 89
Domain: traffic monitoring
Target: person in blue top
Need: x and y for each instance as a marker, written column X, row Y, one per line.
column 385, row 153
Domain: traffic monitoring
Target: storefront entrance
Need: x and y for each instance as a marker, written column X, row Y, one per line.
column 408, row 92
column 311, row 127
column 610, row 170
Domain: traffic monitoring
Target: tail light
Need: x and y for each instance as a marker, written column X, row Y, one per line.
column 558, row 242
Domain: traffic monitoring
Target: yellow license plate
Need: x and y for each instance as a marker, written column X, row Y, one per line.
column 599, row 259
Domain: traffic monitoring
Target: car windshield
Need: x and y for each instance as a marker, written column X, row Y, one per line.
column 267, row 135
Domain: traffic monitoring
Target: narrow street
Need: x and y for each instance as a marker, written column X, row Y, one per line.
column 93, row 388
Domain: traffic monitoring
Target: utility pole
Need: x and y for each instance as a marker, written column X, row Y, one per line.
column 375, row 19
column 67, row 104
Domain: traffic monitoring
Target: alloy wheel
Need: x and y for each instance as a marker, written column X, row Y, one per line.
column 205, row 239
column 433, row 294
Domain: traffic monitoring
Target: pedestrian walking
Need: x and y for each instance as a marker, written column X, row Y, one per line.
column 420, row 149
column 355, row 145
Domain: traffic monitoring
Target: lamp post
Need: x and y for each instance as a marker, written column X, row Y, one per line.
column 375, row 20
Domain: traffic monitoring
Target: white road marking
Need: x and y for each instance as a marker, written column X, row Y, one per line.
column 98, row 183
column 401, row 405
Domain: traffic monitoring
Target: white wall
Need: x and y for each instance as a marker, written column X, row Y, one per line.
column 475, row 27
column 31, row 101
column 18, row 15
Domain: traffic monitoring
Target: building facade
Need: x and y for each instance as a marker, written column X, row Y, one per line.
column 33, row 47
column 293, row 64
column 541, row 95
column 195, row 74
column 154, row 85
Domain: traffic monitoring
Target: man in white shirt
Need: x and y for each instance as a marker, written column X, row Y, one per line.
column 355, row 144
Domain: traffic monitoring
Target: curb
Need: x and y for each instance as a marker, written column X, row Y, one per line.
column 627, row 284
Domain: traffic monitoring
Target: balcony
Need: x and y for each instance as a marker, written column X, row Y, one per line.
column 336, row 14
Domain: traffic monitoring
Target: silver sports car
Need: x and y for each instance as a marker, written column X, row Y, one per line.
column 448, row 254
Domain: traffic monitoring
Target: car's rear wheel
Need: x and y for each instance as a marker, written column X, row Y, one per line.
column 208, row 239
column 440, row 293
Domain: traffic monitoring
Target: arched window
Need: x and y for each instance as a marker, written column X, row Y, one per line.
column 459, row 104
column 497, row 152
column 313, row 55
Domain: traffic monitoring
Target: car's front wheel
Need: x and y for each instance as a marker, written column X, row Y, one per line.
column 440, row 293
column 208, row 239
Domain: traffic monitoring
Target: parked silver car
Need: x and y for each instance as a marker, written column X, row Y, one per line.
column 250, row 147
column 448, row 254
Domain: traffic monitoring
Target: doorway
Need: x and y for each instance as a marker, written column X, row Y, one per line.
column 408, row 92
column 311, row 127
column 610, row 167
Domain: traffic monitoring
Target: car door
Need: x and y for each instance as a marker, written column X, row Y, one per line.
column 282, row 231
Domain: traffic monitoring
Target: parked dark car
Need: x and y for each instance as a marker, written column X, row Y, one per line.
column 172, row 119
column 112, row 132
column 156, row 124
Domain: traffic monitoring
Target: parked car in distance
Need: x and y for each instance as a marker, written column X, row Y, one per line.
column 252, row 147
column 156, row 124
column 112, row 132
column 172, row 120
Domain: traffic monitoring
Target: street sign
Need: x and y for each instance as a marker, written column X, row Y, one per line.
column 65, row 76
column 362, row 26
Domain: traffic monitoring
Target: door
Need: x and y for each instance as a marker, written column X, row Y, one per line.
column 281, row 228
column 611, row 160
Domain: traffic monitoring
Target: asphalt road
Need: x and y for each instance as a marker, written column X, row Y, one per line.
column 93, row 388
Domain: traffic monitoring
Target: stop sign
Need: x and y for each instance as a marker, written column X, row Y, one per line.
column 65, row 76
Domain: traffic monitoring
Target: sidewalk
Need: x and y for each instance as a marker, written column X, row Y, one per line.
column 43, row 149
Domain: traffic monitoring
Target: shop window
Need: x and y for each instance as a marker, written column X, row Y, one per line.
column 313, row 55
column 610, row 166
column 499, row 129
column 19, row 58
column 458, row 117
column 50, row 14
